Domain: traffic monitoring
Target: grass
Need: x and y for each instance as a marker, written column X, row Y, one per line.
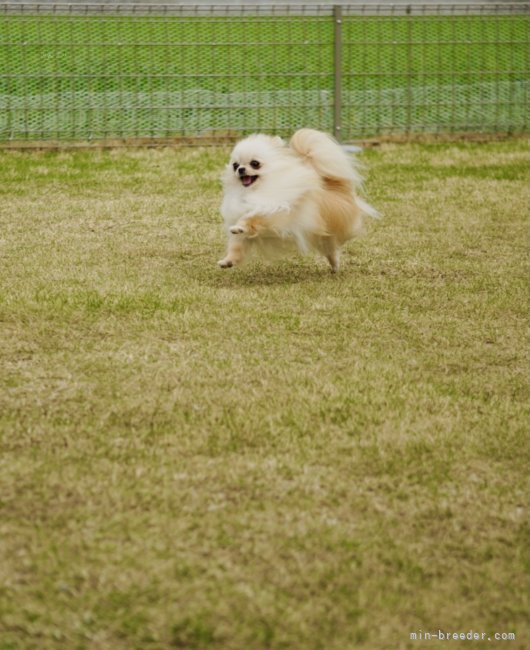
column 270, row 457
column 89, row 77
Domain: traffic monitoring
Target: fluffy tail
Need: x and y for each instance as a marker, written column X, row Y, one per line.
column 331, row 162
column 326, row 156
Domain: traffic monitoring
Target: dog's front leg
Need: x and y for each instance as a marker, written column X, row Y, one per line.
column 251, row 226
column 237, row 249
column 239, row 237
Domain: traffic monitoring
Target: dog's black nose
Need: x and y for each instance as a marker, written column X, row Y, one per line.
column 241, row 171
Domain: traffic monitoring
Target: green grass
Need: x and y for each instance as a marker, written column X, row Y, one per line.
column 89, row 77
column 266, row 457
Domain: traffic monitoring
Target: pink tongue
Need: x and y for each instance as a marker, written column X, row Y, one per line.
column 246, row 180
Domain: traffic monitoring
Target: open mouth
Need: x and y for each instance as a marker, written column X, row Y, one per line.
column 248, row 180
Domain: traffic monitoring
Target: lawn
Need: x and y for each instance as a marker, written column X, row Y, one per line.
column 269, row 457
column 87, row 77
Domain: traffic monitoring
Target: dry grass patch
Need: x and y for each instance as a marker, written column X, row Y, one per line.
column 267, row 457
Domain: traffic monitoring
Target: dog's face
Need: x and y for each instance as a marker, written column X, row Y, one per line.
column 247, row 171
column 252, row 159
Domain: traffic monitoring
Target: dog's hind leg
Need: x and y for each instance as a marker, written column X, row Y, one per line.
column 328, row 247
column 334, row 260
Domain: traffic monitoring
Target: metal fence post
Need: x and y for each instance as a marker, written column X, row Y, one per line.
column 337, row 72
column 410, row 71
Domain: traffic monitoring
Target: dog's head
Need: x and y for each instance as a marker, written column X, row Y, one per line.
column 252, row 159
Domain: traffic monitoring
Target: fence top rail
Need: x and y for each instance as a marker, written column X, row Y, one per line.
column 114, row 7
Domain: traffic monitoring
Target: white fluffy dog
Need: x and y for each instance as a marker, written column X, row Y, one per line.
column 305, row 191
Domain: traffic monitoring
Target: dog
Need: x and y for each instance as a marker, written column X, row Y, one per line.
column 305, row 192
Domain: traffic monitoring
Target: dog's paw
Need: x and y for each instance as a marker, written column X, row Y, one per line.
column 238, row 230
column 225, row 263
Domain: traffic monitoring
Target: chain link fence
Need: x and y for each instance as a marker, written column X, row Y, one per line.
column 143, row 73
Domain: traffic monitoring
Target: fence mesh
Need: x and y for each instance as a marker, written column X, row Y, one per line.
column 92, row 72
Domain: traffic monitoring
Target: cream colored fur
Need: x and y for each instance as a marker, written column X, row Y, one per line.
column 305, row 191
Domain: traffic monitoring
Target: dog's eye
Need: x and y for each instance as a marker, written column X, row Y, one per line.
column 255, row 164
column 235, row 166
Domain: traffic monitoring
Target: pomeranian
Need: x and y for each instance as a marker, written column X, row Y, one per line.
column 306, row 192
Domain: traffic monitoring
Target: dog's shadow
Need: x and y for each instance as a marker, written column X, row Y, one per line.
column 263, row 274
